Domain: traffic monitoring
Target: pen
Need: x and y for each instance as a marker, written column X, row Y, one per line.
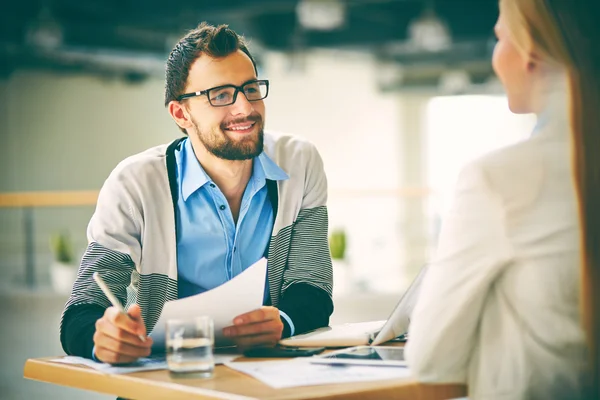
column 115, row 302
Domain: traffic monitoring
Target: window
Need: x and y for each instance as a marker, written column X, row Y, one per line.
column 461, row 129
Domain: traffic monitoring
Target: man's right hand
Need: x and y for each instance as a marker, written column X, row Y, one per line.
column 117, row 336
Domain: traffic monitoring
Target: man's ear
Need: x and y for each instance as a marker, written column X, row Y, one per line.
column 180, row 115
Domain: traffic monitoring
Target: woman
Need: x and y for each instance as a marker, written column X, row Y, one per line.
column 510, row 305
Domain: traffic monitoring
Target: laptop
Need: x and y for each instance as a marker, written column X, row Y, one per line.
column 365, row 333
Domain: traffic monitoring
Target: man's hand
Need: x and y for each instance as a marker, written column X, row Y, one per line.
column 116, row 336
column 262, row 327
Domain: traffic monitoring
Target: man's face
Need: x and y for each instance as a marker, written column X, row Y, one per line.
column 233, row 132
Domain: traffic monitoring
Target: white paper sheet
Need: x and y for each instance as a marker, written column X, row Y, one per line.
column 143, row 364
column 300, row 372
column 242, row 294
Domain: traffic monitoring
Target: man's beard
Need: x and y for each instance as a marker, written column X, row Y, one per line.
column 221, row 145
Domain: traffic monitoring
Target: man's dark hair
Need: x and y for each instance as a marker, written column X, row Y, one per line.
column 214, row 41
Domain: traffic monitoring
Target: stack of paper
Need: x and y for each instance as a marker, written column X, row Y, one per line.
column 242, row 294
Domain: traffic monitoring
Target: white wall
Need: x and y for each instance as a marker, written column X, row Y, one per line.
column 335, row 103
column 63, row 132
column 68, row 132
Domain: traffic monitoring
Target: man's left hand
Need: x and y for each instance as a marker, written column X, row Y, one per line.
column 262, row 327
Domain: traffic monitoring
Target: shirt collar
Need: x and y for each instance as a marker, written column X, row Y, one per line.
column 554, row 118
column 270, row 169
column 194, row 176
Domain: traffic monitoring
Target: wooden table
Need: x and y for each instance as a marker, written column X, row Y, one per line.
column 225, row 384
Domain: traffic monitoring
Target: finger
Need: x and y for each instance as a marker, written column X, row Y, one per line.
column 100, row 336
column 125, row 322
column 271, row 326
column 262, row 314
column 106, row 327
column 244, row 342
column 111, row 357
column 123, row 348
column 135, row 312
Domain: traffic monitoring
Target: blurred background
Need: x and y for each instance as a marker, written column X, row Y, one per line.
column 397, row 95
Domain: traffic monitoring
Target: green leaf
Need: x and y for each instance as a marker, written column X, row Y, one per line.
column 337, row 244
column 62, row 248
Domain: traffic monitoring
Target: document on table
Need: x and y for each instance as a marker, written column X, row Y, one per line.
column 143, row 364
column 300, row 372
column 242, row 294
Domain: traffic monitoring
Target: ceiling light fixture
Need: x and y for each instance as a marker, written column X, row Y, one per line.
column 45, row 32
column 428, row 32
column 321, row 15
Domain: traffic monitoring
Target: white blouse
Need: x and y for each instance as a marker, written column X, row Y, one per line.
column 499, row 305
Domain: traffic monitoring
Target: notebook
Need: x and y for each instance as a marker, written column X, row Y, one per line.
column 364, row 333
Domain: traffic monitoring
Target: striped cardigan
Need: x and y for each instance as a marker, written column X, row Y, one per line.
column 132, row 242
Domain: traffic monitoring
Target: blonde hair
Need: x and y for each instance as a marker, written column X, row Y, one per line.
column 533, row 30
column 564, row 32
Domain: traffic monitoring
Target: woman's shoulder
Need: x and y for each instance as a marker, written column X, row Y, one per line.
column 514, row 173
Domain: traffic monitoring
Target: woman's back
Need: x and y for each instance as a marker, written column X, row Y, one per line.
column 531, row 339
column 503, row 289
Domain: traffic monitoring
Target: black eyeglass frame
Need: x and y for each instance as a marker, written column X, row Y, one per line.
column 237, row 90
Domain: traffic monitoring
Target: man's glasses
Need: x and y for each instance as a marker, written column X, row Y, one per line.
column 226, row 95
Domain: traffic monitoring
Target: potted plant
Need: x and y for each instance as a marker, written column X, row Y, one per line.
column 337, row 244
column 342, row 279
column 63, row 270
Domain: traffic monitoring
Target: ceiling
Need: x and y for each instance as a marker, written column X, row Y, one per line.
column 133, row 37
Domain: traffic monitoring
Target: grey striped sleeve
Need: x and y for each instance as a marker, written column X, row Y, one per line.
column 118, row 271
column 153, row 291
column 309, row 260
column 278, row 255
column 114, row 267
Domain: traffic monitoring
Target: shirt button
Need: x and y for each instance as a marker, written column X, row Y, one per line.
column 222, row 207
column 212, row 185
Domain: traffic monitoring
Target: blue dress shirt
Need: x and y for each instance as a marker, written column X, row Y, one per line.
column 211, row 247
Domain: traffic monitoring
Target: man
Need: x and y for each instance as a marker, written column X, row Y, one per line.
column 183, row 218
